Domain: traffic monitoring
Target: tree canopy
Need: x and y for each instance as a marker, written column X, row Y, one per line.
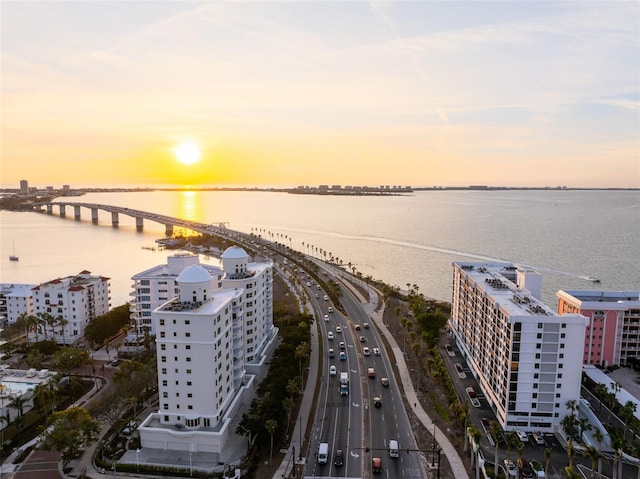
column 69, row 432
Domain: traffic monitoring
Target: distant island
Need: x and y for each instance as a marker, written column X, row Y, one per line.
column 23, row 198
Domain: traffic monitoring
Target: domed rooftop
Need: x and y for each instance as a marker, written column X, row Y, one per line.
column 194, row 274
column 234, row 252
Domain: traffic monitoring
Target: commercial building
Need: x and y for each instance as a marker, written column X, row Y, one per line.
column 612, row 335
column 526, row 358
column 76, row 300
column 213, row 340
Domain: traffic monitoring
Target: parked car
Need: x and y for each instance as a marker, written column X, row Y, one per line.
column 510, row 467
column 116, row 362
column 522, row 436
column 538, row 438
column 524, row 469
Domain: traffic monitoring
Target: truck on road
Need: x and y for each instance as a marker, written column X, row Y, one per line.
column 344, row 384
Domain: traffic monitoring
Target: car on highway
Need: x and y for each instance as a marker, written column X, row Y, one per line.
column 317, row 295
column 510, row 467
column 326, row 298
column 343, row 356
column 330, row 335
column 363, row 339
column 338, row 329
column 309, row 283
column 376, row 351
column 377, row 402
column 341, row 345
column 333, row 371
column 366, row 351
column 326, row 317
column 332, row 353
column 384, row 382
column 365, row 325
column 338, row 459
column 330, row 309
column 371, row 372
column 376, row 465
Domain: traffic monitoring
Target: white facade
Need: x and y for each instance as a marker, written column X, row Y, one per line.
column 202, row 347
column 76, row 299
column 15, row 300
column 527, row 359
column 157, row 285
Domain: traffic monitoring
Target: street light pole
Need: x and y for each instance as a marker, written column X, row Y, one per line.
column 138, row 460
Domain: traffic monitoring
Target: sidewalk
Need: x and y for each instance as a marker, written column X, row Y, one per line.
column 451, row 453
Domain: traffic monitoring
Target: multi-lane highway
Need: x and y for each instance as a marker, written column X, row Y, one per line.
column 354, row 423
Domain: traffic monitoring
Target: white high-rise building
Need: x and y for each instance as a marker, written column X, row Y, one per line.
column 76, row 299
column 210, row 354
column 157, row 285
column 526, row 358
column 15, row 300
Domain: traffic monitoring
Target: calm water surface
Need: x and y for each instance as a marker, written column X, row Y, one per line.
column 566, row 235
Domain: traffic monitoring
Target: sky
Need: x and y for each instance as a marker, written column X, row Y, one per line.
column 275, row 93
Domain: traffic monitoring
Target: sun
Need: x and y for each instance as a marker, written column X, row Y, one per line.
column 187, row 153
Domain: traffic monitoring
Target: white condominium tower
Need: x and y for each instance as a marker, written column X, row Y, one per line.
column 76, row 299
column 157, row 285
column 526, row 358
column 15, row 300
column 210, row 353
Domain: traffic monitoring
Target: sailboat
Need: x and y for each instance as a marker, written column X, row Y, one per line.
column 14, row 257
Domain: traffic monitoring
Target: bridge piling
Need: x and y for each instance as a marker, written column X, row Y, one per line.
column 139, row 223
column 76, row 212
column 94, row 215
column 115, row 219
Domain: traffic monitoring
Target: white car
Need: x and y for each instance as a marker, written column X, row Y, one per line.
column 330, row 335
column 338, row 329
column 326, row 317
column 333, row 371
column 326, row 298
column 341, row 345
column 522, row 436
column 365, row 351
column 510, row 466
column 376, row 351
column 330, row 309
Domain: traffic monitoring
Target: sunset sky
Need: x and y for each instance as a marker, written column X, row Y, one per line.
column 417, row 93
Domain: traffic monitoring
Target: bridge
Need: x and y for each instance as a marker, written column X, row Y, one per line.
column 139, row 216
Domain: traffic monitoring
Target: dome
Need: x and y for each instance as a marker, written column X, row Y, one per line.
column 234, row 252
column 194, row 274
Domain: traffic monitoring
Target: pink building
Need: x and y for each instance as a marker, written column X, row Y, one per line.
column 613, row 332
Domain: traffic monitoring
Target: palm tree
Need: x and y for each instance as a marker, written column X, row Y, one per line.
column 23, row 322
column 598, row 436
column 547, row 460
column 628, row 414
column 33, row 322
column 593, row 454
column 519, row 448
column 288, row 404
column 271, row 425
column 62, row 322
column 475, row 436
column 495, row 430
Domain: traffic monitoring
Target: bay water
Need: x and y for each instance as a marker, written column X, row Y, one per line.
column 567, row 235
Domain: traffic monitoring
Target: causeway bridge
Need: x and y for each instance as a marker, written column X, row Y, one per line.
column 139, row 216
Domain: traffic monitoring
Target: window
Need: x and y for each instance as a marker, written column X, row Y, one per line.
column 162, row 322
column 163, row 359
column 164, row 382
column 163, row 347
column 164, row 370
column 188, row 371
column 188, row 335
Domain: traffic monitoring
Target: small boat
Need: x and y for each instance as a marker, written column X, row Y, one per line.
column 593, row 279
column 13, row 257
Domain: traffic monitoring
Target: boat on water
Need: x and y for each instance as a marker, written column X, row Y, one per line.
column 593, row 279
column 14, row 257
